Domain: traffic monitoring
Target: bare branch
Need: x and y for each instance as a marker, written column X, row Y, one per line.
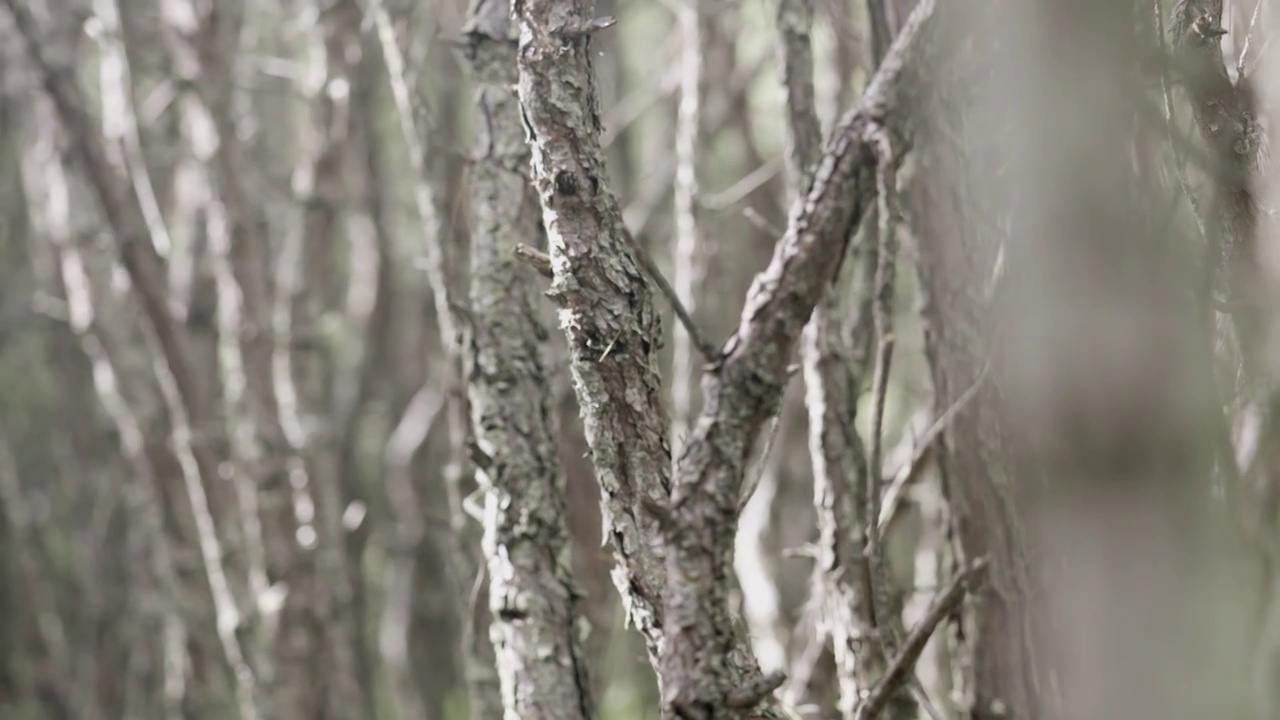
column 535, row 258
column 533, row 598
column 692, row 243
column 901, row 668
column 911, row 469
column 882, row 313
column 744, row 389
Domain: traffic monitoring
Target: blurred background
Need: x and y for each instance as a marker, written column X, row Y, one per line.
column 228, row 408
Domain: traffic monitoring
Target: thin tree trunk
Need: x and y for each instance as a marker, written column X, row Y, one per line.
column 534, row 601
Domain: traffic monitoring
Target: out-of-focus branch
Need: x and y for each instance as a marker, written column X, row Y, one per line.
column 692, row 243
column 899, row 671
column 804, row 133
column 145, row 268
column 466, row 566
column 1227, row 119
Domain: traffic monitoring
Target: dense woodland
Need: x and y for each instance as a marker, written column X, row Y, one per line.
column 688, row 359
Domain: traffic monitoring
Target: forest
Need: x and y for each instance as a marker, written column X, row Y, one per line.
column 639, row 360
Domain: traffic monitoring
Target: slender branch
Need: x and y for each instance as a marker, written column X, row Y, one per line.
column 900, row 669
column 535, row 258
column 911, row 469
column 708, row 351
column 541, row 262
column 1248, row 38
column 691, row 245
column 882, row 313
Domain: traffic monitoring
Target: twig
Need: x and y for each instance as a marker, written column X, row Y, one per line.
column 751, row 696
column 744, row 187
column 541, row 262
column 535, row 259
column 900, row 670
column 1248, row 37
column 708, row 351
column 754, row 217
column 753, row 480
column 911, row 469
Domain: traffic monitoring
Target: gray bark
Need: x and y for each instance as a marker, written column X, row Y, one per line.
column 705, row 663
column 607, row 308
column 534, row 601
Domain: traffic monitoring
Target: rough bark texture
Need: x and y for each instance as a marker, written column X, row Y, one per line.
column 540, row 660
column 607, row 308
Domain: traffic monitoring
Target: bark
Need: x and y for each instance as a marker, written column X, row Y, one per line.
column 705, row 663
column 744, row 389
column 837, row 362
column 534, row 601
column 607, row 308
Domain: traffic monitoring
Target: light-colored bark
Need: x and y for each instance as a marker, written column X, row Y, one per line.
column 172, row 365
column 697, row 20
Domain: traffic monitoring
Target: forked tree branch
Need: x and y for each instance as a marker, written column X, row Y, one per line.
column 744, row 389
